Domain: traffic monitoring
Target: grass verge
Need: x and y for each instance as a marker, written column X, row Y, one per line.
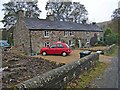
column 87, row 77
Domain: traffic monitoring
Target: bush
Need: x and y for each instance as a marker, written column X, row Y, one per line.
column 100, row 43
column 110, row 37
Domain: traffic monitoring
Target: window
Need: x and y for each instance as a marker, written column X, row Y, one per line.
column 46, row 33
column 65, row 33
column 71, row 33
column 60, row 46
column 53, row 46
column 46, row 44
column 87, row 34
column 70, row 42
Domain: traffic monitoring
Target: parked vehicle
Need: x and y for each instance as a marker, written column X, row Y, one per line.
column 59, row 48
column 4, row 44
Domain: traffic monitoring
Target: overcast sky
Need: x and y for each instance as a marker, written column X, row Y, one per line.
column 98, row 10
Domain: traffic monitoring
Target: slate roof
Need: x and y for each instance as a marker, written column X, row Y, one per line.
column 43, row 24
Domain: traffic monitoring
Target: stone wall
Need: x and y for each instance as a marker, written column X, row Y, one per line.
column 59, row 77
column 38, row 39
column 16, row 67
column 109, row 49
column 21, row 35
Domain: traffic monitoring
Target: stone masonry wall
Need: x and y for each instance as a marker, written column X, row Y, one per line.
column 16, row 67
column 109, row 49
column 38, row 39
column 21, row 35
column 59, row 77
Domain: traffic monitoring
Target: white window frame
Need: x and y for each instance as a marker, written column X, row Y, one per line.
column 70, row 44
column 46, row 34
column 46, row 44
column 87, row 36
column 65, row 33
column 71, row 33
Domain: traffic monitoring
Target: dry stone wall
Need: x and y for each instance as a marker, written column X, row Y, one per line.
column 58, row 77
column 16, row 67
column 109, row 49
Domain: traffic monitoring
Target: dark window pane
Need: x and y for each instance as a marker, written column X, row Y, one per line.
column 60, row 46
column 53, row 46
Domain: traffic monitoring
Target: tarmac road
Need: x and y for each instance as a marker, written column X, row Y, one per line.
column 109, row 78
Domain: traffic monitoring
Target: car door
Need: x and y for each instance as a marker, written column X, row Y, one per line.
column 59, row 49
column 52, row 49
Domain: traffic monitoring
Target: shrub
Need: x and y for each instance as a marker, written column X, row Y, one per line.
column 100, row 43
column 110, row 37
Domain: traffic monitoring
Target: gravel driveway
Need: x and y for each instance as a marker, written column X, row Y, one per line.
column 60, row 59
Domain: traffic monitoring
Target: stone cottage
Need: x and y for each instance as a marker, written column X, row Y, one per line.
column 31, row 34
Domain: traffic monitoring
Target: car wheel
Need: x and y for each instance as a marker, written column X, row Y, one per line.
column 64, row 54
column 44, row 53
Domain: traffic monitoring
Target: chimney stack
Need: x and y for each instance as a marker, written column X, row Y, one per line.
column 83, row 21
column 94, row 23
column 50, row 17
column 20, row 14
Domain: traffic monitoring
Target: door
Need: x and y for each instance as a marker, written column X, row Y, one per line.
column 52, row 49
column 59, row 49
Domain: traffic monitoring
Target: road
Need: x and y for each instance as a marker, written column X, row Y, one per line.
column 109, row 78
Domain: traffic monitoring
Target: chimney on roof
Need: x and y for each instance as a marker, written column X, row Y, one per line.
column 94, row 23
column 70, row 19
column 50, row 17
column 83, row 21
column 20, row 14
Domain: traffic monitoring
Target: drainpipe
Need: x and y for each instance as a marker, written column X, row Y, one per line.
column 30, row 43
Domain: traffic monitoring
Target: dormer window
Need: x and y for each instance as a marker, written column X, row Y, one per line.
column 71, row 33
column 46, row 33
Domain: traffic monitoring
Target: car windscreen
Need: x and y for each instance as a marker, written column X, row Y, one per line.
column 67, row 45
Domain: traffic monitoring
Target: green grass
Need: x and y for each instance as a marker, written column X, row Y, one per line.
column 88, row 76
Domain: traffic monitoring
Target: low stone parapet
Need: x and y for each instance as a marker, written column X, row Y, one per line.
column 109, row 49
column 59, row 77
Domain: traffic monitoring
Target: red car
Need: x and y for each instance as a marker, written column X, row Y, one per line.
column 56, row 48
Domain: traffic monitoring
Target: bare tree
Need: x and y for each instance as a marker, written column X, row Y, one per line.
column 67, row 11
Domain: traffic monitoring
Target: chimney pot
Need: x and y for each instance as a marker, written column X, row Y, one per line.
column 50, row 17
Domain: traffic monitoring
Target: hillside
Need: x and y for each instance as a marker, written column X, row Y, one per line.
column 113, row 24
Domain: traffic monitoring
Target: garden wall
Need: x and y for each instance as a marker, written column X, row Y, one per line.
column 109, row 49
column 57, row 78
column 17, row 67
